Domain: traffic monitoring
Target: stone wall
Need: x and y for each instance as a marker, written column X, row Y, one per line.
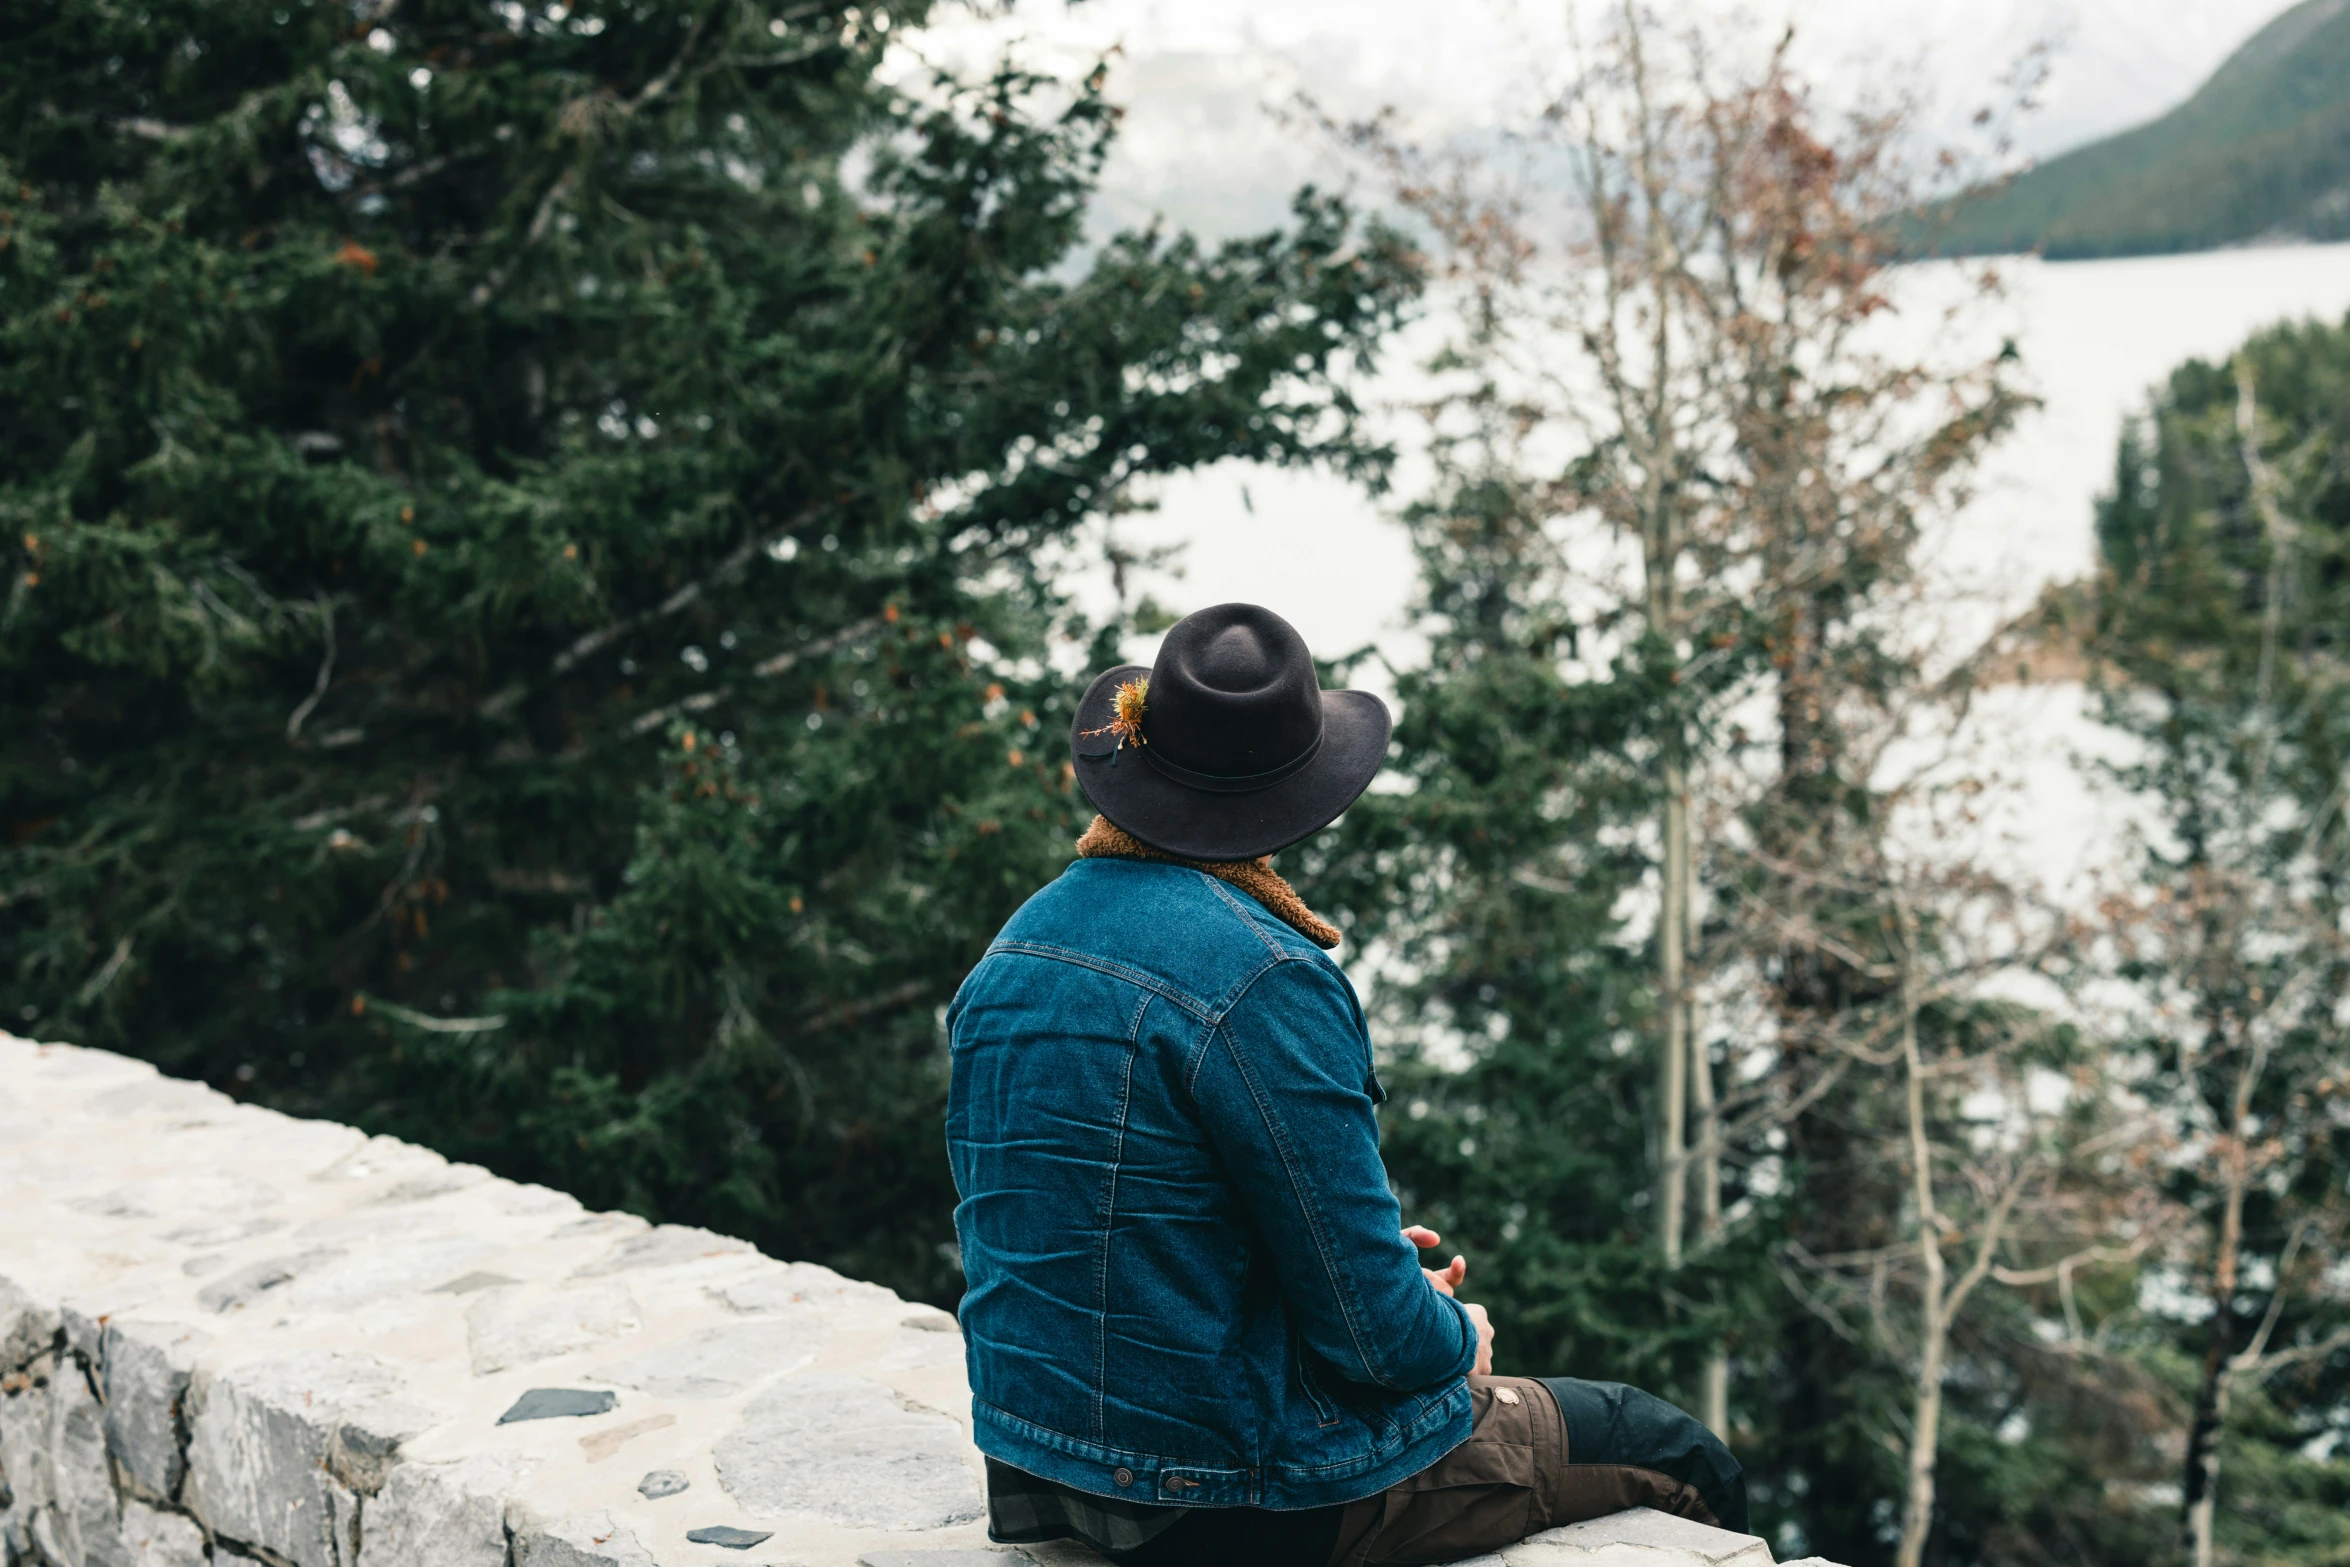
column 232, row 1337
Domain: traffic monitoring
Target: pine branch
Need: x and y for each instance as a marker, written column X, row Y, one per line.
column 765, row 669
column 503, row 701
column 436, row 1025
column 326, row 670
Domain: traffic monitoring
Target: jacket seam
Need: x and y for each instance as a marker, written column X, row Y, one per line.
column 1100, row 965
column 1109, row 1220
column 1214, row 1020
column 1248, row 911
column 1354, row 1330
column 1211, row 1023
column 1313, row 1215
column 1220, row 890
column 1197, row 1058
column 1222, row 1008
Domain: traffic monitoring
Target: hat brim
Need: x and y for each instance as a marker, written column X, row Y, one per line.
column 1197, row 824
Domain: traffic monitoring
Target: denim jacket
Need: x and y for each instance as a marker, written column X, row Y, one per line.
column 1185, row 1277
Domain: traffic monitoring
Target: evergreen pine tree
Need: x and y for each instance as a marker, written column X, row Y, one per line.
column 2218, row 625
column 530, row 620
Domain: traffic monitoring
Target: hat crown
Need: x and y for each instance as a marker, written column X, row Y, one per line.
column 1227, row 747
column 1233, row 693
column 1236, row 659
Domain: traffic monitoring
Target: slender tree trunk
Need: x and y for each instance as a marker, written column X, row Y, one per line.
column 1673, row 1059
column 1714, row 1389
column 1714, row 1394
column 1656, row 450
column 1925, row 1436
column 2200, row 1491
column 2201, row 1488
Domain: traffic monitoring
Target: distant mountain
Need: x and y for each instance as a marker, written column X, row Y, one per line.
column 2262, row 149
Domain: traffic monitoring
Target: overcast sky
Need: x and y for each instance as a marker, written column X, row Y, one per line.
column 1197, row 75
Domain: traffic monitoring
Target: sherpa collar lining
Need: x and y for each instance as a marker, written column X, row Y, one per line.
column 1106, row 840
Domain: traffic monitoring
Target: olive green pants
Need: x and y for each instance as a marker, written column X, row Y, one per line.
column 1545, row 1452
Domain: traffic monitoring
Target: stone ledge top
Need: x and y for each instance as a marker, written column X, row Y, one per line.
column 231, row 1336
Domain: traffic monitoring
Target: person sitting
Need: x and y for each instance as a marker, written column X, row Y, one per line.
column 1196, row 1326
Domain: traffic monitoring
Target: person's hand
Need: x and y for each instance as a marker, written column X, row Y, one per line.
column 1444, row 1281
column 1484, row 1365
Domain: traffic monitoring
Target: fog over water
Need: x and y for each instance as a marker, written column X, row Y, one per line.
column 2094, row 337
column 1201, row 150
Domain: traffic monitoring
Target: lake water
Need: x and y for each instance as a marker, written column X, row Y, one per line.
column 2095, row 337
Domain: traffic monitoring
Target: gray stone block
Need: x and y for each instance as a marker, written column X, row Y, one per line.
column 146, row 1378
column 383, row 1164
column 176, row 1097
column 220, row 1232
column 845, row 1449
column 506, row 1328
column 12, row 1541
column 424, row 1188
column 580, row 1540
column 727, row 1536
column 24, row 1445
column 272, row 1443
column 558, row 1403
column 604, row 1224
column 720, row 1361
column 181, row 1197
column 87, row 1507
column 257, row 1472
column 83, row 1330
column 154, row 1538
column 378, row 1269
column 804, row 1286
column 1642, row 1535
column 440, row 1515
column 53, row 1449
column 669, row 1246
column 658, row 1483
column 343, row 1509
column 27, row 1327
column 915, row 1349
column 235, row 1291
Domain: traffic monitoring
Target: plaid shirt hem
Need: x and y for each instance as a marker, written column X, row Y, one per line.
column 1023, row 1510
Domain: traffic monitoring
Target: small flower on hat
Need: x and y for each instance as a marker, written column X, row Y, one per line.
column 1126, row 714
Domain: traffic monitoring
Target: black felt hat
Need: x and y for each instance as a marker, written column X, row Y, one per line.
column 1232, row 749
